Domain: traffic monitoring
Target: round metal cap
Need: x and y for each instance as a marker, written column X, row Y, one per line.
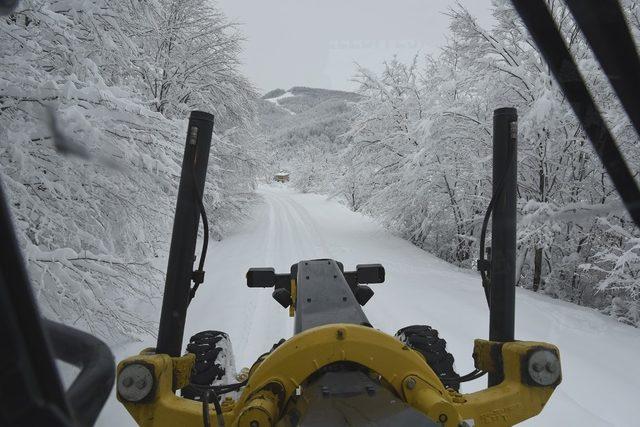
column 135, row 382
column 544, row 367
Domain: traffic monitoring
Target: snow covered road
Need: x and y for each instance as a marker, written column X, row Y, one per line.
column 601, row 374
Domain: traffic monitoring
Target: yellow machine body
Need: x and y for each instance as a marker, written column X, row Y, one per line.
column 274, row 380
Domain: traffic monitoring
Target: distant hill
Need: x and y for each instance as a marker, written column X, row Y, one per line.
column 299, row 99
column 274, row 93
column 305, row 110
column 313, row 92
column 304, row 125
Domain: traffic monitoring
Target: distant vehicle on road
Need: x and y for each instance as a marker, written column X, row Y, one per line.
column 282, row 177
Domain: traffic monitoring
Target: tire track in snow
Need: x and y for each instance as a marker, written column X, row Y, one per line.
column 311, row 229
column 291, row 235
column 254, row 302
column 420, row 289
column 267, row 321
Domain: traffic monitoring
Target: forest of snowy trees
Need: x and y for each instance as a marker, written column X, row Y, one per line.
column 94, row 97
column 417, row 156
column 420, row 160
column 112, row 82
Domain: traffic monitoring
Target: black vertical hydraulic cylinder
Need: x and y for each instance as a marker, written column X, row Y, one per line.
column 185, row 233
column 503, row 235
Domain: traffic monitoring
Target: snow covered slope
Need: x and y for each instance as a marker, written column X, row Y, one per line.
column 599, row 355
column 276, row 101
column 299, row 99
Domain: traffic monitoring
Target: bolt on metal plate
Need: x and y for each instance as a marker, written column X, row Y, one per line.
column 135, row 382
column 410, row 383
column 544, row 367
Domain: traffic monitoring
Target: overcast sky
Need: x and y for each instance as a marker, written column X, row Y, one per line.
column 316, row 43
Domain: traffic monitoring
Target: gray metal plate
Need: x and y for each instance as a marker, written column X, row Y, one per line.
column 353, row 399
column 324, row 297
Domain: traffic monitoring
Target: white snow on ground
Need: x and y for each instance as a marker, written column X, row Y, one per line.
column 601, row 374
column 276, row 101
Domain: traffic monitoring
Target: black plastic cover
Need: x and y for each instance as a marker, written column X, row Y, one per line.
column 261, row 277
column 370, row 273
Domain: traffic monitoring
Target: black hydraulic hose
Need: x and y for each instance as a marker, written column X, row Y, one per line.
column 226, row 388
column 481, row 260
column 92, row 387
column 205, row 409
column 473, row 375
column 216, row 404
column 198, row 276
column 207, row 396
column 220, row 389
column 486, row 283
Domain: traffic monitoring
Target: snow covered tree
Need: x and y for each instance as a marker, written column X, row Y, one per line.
column 190, row 61
column 423, row 132
column 95, row 228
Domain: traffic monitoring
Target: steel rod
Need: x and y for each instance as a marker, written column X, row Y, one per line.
column 185, row 234
column 503, row 229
